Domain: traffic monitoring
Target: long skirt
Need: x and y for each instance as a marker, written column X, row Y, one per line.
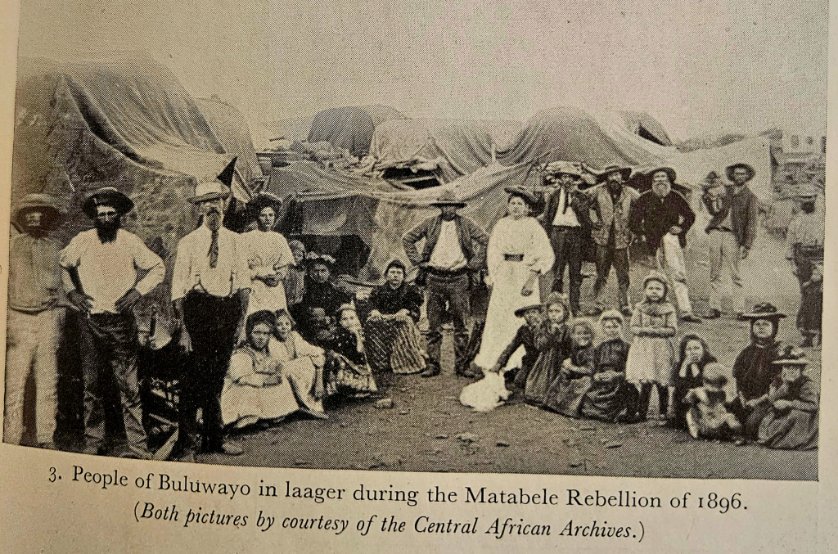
column 345, row 377
column 501, row 323
column 544, row 372
column 393, row 345
column 243, row 405
column 566, row 395
column 791, row 430
column 606, row 400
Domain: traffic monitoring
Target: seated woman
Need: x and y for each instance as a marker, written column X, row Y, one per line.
column 255, row 389
column 347, row 370
column 320, row 294
column 791, row 421
column 302, row 365
column 688, row 373
column 393, row 337
column 567, row 392
column 610, row 397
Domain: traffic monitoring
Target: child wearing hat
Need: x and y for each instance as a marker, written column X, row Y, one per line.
column 610, row 397
column 707, row 416
column 791, row 405
column 654, row 324
column 532, row 315
column 552, row 340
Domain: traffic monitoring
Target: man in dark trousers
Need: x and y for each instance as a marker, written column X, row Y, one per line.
column 452, row 257
column 106, row 271
column 565, row 220
column 210, row 292
column 664, row 217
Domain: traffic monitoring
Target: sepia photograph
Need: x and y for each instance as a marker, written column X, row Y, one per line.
column 553, row 238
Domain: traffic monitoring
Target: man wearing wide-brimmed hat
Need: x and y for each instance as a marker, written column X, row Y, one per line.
column 565, row 219
column 210, row 294
column 106, row 271
column 804, row 239
column 609, row 211
column 268, row 256
column 35, row 317
column 452, row 257
column 664, row 217
column 731, row 233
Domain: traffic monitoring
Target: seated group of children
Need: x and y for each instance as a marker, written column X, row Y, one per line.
column 565, row 372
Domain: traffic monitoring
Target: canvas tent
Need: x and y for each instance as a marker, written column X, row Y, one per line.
column 232, row 131
column 461, row 146
column 126, row 123
column 351, row 127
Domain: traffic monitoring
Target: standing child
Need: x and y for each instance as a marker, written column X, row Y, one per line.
column 295, row 280
column 707, row 416
column 654, row 324
column 552, row 340
column 610, row 396
column 525, row 337
column 568, row 391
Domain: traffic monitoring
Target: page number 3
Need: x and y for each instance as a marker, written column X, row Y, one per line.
column 53, row 475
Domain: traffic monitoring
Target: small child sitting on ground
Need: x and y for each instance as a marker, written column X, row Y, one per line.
column 707, row 416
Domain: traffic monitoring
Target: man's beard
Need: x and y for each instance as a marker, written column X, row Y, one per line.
column 614, row 186
column 35, row 231
column 213, row 218
column 107, row 231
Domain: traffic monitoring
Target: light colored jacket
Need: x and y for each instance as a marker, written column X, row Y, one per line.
column 604, row 212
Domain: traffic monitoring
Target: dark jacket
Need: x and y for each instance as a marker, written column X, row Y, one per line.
column 473, row 241
column 744, row 214
column 524, row 337
column 579, row 203
column 652, row 216
column 388, row 300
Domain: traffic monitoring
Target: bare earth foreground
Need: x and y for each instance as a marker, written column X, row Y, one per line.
column 428, row 430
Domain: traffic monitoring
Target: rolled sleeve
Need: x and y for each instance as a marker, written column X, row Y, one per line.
column 148, row 261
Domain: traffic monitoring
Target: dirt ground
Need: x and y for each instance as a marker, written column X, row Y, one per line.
column 428, row 430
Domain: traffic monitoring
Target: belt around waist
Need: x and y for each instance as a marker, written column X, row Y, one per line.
column 446, row 272
column 205, row 294
column 513, row 257
column 722, row 229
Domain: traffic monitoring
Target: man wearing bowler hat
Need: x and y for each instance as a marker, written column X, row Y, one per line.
column 452, row 257
column 731, row 233
column 609, row 211
column 210, row 293
column 565, row 218
column 664, row 217
column 106, row 271
column 35, row 318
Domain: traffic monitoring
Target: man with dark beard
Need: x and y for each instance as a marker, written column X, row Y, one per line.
column 106, row 271
column 35, row 318
column 804, row 238
column 210, row 293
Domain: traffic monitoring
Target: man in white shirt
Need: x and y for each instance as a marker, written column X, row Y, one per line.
column 106, row 271
column 210, row 291
column 453, row 254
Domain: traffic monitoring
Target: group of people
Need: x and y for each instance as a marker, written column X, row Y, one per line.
column 268, row 333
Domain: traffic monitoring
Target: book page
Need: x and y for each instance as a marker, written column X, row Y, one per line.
column 448, row 277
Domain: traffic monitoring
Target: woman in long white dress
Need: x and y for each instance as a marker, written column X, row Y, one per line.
column 518, row 252
column 268, row 256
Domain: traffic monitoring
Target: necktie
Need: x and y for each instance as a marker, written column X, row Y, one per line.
column 563, row 201
column 213, row 251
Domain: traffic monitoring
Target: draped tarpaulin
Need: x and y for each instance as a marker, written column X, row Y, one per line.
column 351, row 127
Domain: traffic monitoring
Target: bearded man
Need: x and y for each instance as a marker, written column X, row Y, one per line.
column 106, row 271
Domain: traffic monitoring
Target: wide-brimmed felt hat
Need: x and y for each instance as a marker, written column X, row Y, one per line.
column 47, row 204
column 791, row 355
column 624, row 171
column 528, row 196
column 107, row 196
column 448, row 198
column 729, row 170
column 669, row 173
column 764, row 310
column 714, row 374
column 712, row 176
column 524, row 309
column 558, row 168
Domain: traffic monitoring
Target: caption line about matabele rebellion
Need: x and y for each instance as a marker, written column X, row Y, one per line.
column 269, row 505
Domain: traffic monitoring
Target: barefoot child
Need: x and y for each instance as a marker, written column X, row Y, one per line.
column 707, row 416
column 552, row 340
column 652, row 353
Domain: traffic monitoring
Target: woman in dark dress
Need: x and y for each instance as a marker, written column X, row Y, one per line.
column 610, row 396
column 791, row 422
column 320, row 294
column 754, row 368
column 347, row 370
column 391, row 327
column 693, row 357
column 568, row 391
